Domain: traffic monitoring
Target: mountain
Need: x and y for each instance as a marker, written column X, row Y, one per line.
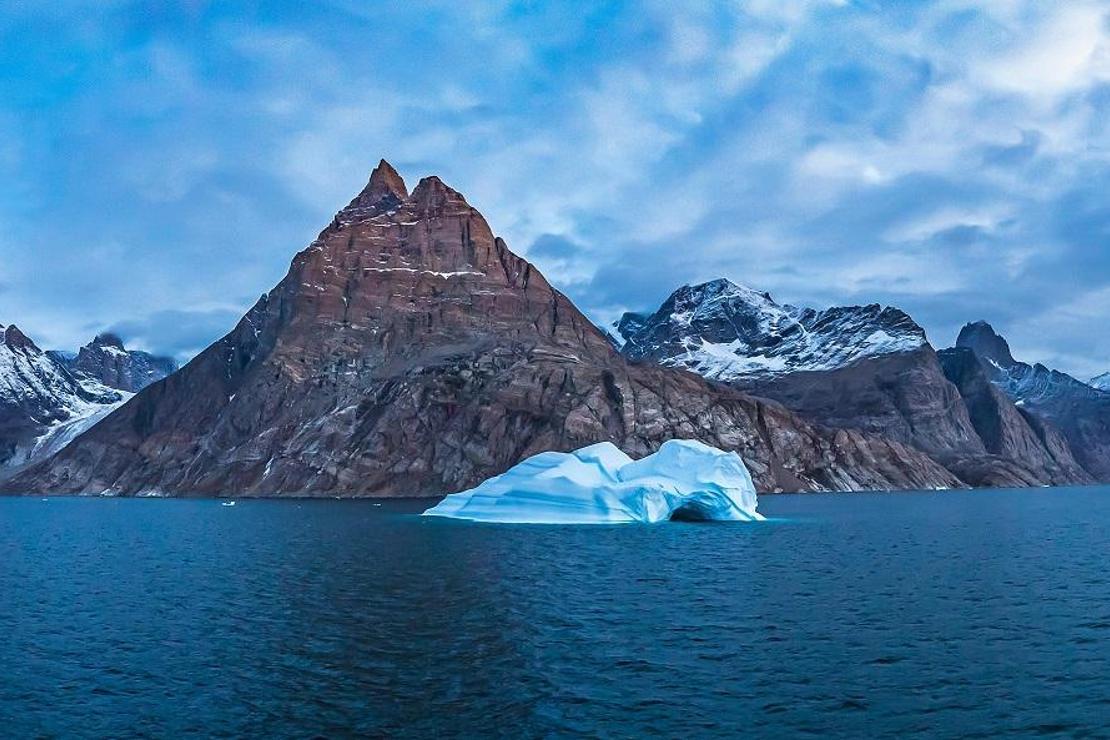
column 409, row 352
column 1025, row 383
column 1081, row 412
column 1101, row 382
column 859, row 367
column 728, row 332
column 105, row 360
column 1036, row 451
column 42, row 405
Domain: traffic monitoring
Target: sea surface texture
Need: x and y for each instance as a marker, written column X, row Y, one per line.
column 850, row 615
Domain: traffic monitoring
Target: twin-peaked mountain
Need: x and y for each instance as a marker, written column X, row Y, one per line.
column 48, row 398
column 408, row 351
column 857, row 367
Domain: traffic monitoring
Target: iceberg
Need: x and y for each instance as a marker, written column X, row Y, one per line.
column 600, row 484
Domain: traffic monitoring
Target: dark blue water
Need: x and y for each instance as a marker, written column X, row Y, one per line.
column 951, row 614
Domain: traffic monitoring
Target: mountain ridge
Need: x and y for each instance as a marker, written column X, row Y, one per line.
column 866, row 367
column 41, row 402
column 107, row 361
column 408, row 351
column 1080, row 411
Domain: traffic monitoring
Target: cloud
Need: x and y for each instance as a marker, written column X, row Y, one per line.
column 554, row 246
column 176, row 333
column 949, row 157
column 1014, row 155
column 948, row 219
column 1068, row 51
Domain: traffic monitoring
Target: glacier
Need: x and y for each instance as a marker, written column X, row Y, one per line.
column 600, row 484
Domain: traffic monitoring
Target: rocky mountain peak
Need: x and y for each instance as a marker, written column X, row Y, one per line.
column 980, row 337
column 1077, row 409
column 1035, row 450
column 106, row 361
column 108, row 339
column 1101, row 382
column 41, row 402
column 721, row 289
column 385, row 190
column 432, row 193
column 16, row 339
column 385, row 181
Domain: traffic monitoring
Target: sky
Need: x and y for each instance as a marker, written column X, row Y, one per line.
column 160, row 162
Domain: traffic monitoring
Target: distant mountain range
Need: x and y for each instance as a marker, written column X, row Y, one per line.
column 48, row 398
column 408, row 352
column 989, row 419
column 1080, row 411
column 1101, row 382
column 105, row 360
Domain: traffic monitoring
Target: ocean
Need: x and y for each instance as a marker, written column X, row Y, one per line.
column 958, row 613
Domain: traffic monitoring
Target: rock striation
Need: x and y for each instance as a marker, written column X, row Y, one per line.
column 409, row 352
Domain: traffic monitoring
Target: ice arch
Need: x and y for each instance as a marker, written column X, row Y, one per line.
column 600, row 484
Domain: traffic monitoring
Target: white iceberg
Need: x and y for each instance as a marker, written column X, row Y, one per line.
column 600, row 484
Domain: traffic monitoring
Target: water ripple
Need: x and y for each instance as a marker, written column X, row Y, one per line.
column 847, row 616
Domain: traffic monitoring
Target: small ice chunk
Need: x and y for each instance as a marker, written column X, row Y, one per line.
column 600, row 484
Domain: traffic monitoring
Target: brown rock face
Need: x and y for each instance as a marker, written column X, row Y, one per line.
column 409, row 352
column 904, row 397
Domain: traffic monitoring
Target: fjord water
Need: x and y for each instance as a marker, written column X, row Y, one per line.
column 848, row 615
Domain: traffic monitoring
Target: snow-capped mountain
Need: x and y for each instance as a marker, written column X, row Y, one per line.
column 728, row 332
column 1101, row 382
column 863, row 367
column 42, row 404
column 106, row 361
